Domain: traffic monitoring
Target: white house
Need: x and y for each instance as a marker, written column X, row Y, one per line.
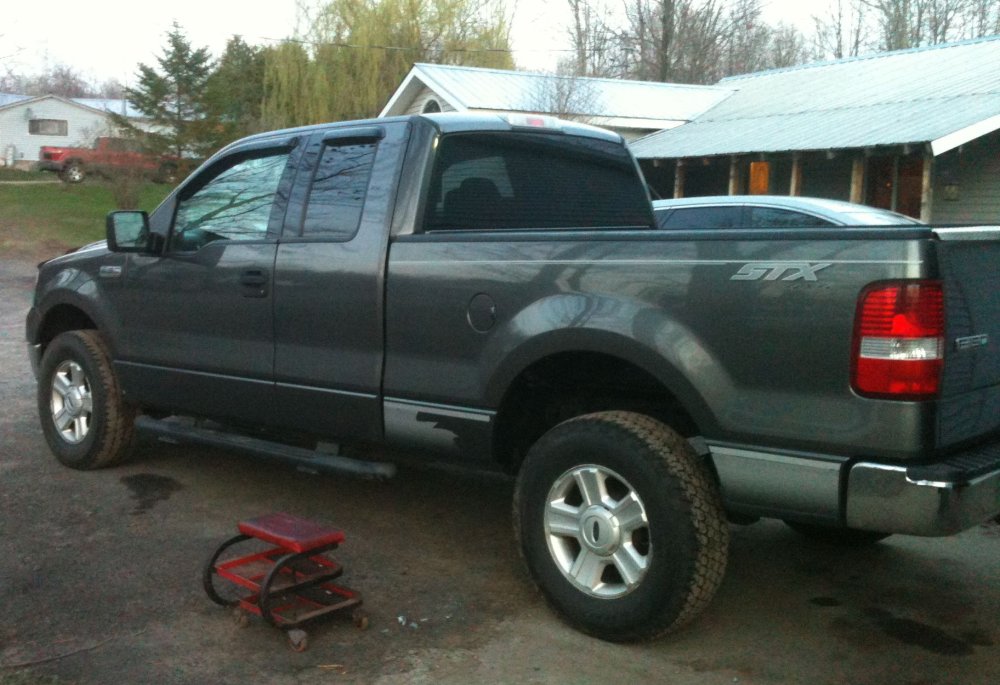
column 631, row 108
column 27, row 123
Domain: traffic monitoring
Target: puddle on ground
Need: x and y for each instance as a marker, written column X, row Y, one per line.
column 919, row 634
column 148, row 489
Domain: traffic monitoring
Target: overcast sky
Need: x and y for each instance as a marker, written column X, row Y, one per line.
column 103, row 39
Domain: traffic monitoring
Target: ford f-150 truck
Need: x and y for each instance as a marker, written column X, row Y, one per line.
column 494, row 290
column 107, row 156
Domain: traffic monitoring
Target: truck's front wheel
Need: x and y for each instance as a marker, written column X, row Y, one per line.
column 74, row 172
column 84, row 419
column 620, row 525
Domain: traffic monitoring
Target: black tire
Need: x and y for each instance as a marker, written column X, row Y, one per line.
column 837, row 535
column 73, row 172
column 167, row 174
column 634, row 457
column 101, row 436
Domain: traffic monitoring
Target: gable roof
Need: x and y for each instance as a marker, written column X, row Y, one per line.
column 944, row 95
column 638, row 104
column 99, row 105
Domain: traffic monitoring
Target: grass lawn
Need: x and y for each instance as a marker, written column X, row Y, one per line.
column 18, row 175
column 45, row 220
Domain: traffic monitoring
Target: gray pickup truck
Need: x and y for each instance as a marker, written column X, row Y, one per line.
column 493, row 290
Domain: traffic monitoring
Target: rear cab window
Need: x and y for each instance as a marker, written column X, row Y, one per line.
column 516, row 180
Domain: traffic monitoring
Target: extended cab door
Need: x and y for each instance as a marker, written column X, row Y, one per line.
column 330, row 281
column 199, row 318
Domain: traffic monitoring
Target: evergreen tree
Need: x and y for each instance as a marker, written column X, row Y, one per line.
column 234, row 92
column 172, row 99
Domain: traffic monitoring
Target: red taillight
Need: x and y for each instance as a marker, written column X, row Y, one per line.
column 899, row 340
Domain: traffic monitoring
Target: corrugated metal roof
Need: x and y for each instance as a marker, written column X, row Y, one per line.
column 495, row 89
column 11, row 98
column 111, row 105
column 911, row 96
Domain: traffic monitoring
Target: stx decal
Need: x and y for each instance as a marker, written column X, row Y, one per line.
column 773, row 271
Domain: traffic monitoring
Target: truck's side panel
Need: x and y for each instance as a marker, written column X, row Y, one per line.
column 713, row 312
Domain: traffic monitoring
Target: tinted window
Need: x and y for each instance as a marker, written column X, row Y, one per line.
column 702, row 217
column 48, row 127
column 771, row 217
column 338, row 191
column 530, row 180
column 234, row 205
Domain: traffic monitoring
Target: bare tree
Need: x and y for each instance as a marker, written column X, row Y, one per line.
column 843, row 31
column 913, row 23
column 787, row 47
column 982, row 18
column 592, row 37
column 565, row 95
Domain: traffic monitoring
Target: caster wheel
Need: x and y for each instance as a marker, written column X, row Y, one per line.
column 360, row 619
column 298, row 640
column 240, row 618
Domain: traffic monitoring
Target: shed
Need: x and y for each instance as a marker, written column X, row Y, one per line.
column 914, row 130
column 631, row 108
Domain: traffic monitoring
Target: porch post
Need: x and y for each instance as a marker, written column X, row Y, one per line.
column 679, row 179
column 734, row 175
column 858, row 178
column 927, row 188
column 795, row 185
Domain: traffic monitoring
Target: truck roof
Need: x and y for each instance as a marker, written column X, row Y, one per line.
column 457, row 122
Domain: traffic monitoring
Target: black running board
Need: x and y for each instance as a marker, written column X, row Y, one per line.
column 304, row 459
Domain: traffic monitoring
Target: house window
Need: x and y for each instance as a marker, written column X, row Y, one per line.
column 48, row 127
column 431, row 107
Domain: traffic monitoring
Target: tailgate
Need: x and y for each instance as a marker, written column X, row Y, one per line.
column 969, row 261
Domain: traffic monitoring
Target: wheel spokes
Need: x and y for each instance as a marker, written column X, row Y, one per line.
column 62, row 419
column 562, row 519
column 61, row 385
column 630, row 565
column 587, row 569
column 591, row 484
column 630, row 513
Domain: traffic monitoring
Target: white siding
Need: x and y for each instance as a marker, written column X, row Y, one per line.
column 83, row 125
column 976, row 168
column 423, row 97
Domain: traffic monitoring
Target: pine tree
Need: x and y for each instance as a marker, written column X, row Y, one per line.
column 172, row 99
column 234, row 92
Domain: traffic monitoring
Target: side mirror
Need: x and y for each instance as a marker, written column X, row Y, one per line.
column 128, row 231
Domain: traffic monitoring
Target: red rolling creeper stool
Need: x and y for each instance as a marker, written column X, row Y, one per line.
column 287, row 584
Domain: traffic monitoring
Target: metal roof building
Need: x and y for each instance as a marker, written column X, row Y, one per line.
column 632, row 108
column 896, row 124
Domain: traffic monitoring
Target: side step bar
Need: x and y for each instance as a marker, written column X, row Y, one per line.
column 308, row 460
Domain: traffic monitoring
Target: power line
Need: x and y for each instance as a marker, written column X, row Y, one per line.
column 399, row 48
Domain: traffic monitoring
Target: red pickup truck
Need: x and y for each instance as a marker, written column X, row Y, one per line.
column 108, row 155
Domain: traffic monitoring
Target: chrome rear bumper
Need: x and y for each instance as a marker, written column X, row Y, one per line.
column 932, row 500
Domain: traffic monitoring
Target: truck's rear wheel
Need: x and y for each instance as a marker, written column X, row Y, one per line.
column 620, row 526
column 84, row 419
